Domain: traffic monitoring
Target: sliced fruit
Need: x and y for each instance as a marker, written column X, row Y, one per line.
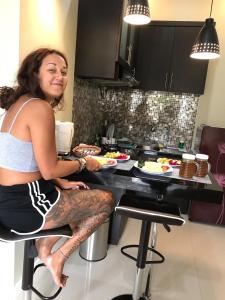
column 165, row 168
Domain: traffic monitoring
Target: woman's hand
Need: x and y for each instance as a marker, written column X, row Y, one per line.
column 70, row 185
column 92, row 164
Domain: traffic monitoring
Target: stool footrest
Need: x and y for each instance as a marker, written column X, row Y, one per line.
column 148, row 261
column 123, row 297
column 38, row 293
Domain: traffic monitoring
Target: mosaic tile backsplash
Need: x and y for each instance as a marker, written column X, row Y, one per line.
column 143, row 117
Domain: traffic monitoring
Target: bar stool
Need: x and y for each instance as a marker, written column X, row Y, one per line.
column 150, row 213
column 30, row 252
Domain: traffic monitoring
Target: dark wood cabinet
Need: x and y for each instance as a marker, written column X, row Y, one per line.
column 103, row 39
column 163, row 60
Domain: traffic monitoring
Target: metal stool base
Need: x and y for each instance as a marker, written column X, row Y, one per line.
column 123, row 297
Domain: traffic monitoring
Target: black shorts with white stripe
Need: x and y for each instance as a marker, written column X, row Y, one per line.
column 23, row 207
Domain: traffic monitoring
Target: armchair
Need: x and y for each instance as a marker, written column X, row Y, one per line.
column 212, row 142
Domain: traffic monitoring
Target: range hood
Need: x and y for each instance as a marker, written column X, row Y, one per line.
column 124, row 77
column 126, row 80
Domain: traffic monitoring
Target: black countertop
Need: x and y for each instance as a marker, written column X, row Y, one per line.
column 155, row 186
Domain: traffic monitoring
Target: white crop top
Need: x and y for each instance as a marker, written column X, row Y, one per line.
column 15, row 154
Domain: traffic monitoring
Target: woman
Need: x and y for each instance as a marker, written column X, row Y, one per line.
column 29, row 200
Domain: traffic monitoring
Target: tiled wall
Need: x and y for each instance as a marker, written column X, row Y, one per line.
column 141, row 116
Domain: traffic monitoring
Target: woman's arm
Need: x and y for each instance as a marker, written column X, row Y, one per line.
column 41, row 123
column 70, row 185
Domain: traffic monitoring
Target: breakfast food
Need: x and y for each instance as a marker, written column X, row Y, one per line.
column 84, row 150
column 154, row 167
column 105, row 162
column 169, row 161
column 117, row 155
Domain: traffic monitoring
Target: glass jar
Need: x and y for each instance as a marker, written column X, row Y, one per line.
column 181, row 144
column 202, row 165
column 188, row 166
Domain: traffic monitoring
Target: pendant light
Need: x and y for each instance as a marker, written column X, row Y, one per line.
column 206, row 45
column 137, row 12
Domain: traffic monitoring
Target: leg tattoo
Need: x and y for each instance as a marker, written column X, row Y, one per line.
column 84, row 211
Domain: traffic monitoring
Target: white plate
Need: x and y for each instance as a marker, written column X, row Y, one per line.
column 119, row 159
column 101, row 159
column 153, row 173
column 173, row 166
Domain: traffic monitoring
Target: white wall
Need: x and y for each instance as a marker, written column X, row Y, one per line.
column 51, row 23
column 212, row 104
column 9, row 61
column 24, row 26
column 9, row 32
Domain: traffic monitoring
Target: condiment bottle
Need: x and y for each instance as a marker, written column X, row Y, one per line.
column 188, row 166
column 202, row 164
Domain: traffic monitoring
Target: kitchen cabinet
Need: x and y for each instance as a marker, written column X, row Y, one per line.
column 163, row 60
column 104, row 41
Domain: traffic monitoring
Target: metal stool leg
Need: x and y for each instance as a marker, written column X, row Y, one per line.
column 141, row 262
column 28, row 295
column 28, row 267
column 141, row 259
column 153, row 240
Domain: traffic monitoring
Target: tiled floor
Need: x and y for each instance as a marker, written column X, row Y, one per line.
column 194, row 268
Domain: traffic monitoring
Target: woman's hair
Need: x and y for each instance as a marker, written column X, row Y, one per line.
column 27, row 79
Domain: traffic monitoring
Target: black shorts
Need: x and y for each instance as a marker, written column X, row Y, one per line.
column 23, row 207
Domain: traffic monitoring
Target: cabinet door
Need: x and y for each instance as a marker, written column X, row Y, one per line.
column 186, row 74
column 128, row 43
column 98, row 38
column 154, row 52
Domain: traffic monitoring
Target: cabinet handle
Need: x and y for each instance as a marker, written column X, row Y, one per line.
column 165, row 81
column 129, row 54
column 171, row 80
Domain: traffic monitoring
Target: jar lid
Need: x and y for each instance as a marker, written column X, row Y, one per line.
column 202, row 156
column 188, row 156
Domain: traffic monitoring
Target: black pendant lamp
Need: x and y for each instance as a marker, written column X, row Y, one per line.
column 137, row 12
column 206, row 45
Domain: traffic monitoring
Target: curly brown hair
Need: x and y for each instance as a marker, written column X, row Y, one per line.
column 27, row 80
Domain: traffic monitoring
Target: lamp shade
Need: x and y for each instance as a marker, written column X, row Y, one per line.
column 137, row 12
column 206, row 45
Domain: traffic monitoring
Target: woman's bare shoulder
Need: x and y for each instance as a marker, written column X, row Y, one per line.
column 38, row 111
column 39, row 103
column 39, row 106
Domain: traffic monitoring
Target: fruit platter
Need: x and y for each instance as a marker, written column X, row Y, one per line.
column 150, row 167
column 118, row 156
column 169, row 161
column 106, row 162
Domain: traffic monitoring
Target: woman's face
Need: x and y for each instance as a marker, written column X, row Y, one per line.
column 53, row 76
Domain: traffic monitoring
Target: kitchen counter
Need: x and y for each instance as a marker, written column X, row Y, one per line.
column 157, row 188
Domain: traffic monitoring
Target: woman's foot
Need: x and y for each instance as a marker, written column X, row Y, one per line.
column 55, row 263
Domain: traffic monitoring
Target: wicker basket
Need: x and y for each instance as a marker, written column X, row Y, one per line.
column 84, row 150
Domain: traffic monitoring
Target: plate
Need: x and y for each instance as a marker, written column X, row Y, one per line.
column 105, row 162
column 114, row 155
column 170, row 169
column 174, row 163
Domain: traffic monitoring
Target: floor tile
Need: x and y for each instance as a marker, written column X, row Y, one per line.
column 194, row 268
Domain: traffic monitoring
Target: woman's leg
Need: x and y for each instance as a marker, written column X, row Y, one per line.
column 84, row 211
